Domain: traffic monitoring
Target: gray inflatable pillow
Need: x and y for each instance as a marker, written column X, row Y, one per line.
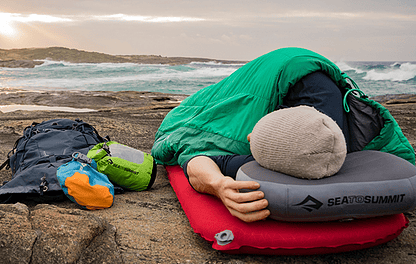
column 369, row 184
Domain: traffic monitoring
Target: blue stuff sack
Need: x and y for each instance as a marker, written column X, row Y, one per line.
column 84, row 185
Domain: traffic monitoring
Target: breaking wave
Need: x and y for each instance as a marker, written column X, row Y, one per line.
column 382, row 71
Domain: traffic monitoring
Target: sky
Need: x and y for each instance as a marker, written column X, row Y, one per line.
column 349, row 30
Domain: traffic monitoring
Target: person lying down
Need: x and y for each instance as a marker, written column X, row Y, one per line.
column 291, row 100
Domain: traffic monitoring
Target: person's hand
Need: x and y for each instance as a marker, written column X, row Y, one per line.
column 247, row 206
column 206, row 177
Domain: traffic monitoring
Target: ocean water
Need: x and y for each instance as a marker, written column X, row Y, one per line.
column 374, row 78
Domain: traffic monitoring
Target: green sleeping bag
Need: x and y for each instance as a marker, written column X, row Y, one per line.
column 217, row 119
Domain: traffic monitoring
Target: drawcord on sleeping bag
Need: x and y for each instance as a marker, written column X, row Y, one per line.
column 356, row 89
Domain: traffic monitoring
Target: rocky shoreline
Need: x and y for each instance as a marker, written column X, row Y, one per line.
column 29, row 58
column 141, row 227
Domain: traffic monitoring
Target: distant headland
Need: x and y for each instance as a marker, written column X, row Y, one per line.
column 29, row 57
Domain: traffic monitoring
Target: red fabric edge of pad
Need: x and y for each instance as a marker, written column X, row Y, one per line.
column 208, row 216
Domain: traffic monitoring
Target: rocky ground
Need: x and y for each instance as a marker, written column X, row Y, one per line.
column 141, row 227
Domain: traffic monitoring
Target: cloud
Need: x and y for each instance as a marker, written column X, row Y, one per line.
column 148, row 19
column 335, row 16
column 23, row 18
column 27, row 18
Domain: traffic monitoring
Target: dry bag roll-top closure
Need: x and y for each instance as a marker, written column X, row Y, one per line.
column 127, row 167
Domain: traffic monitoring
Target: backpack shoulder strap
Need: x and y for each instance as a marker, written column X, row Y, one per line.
column 5, row 163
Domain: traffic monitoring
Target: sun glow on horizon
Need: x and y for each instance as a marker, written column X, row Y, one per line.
column 9, row 21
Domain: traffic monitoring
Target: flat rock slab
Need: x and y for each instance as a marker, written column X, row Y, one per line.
column 50, row 234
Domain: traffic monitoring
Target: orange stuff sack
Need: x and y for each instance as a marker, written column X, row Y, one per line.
column 84, row 185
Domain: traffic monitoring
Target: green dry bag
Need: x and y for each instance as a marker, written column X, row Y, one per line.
column 124, row 166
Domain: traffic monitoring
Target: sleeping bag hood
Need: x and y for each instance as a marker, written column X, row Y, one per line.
column 217, row 119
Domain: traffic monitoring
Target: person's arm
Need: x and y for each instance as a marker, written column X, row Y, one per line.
column 206, row 177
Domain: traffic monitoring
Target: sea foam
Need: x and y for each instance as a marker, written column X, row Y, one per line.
column 396, row 72
column 374, row 78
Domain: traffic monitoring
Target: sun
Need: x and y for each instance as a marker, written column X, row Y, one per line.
column 6, row 25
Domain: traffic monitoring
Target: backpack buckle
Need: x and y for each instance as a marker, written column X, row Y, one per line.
column 44, row 185
column 81, row 157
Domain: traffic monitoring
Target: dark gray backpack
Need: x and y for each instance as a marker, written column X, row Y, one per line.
column 37, row 154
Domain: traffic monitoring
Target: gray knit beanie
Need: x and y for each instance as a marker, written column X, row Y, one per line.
column 299, row 141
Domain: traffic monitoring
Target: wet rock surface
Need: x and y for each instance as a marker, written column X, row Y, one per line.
column 140, row 227
column 19, row 63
